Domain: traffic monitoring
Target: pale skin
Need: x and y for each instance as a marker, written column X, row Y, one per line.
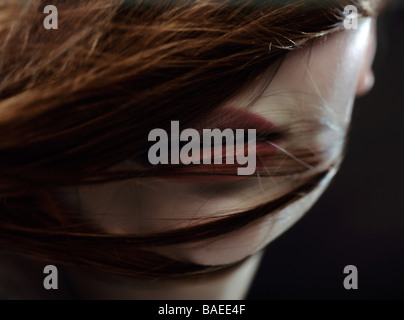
column 316, row 85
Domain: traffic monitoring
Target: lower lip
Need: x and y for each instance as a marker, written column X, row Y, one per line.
column 216, row 173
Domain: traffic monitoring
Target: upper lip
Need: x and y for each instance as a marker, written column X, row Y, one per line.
column 236, row 118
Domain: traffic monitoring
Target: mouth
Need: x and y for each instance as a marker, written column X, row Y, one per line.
column 266, row 140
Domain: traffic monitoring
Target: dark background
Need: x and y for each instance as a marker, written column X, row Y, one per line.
column 360, row 218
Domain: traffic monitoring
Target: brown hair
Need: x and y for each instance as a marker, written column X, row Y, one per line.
column 76, row 101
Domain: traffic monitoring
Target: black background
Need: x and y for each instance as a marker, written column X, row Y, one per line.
column 360, row 218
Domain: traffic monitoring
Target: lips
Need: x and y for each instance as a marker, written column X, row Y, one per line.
column 229, row 118
column 235, row 118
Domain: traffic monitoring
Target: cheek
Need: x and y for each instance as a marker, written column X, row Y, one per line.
column 336, row 68
column 313, row 92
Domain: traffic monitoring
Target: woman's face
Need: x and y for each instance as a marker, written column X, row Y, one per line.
column 310, row 98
